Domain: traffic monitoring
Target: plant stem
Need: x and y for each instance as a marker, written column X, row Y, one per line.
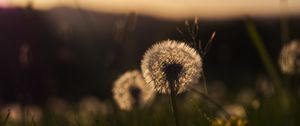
column 6, row 119
column 173, row 104
column 264, row 55
column 204, row 83
column 283, row 98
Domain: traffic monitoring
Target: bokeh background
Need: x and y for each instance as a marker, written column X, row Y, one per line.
column 71, row 49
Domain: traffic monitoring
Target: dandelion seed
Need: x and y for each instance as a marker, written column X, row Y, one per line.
column 289, row 59
column 171, row 62
column 131, row 90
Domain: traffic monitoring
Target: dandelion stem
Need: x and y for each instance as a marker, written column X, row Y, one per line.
column 173, row 103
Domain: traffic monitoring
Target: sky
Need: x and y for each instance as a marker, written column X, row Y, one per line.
column 173, row 9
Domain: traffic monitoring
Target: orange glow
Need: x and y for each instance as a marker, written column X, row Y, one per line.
column 175, row 9
column 4, row 3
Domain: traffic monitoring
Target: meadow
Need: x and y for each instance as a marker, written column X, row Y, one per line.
column 170, row 84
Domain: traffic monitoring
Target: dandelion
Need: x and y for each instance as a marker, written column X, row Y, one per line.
column 171, row 62
column 14, row 110
column 33, row 113
column 131, row 90
column 234, row 110
column 171, row 67
column 289, row 59
column 90, row 107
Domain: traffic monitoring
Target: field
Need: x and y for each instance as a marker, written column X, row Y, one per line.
column 76, row 67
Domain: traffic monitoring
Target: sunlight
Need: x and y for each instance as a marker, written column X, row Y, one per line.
column 174, row 9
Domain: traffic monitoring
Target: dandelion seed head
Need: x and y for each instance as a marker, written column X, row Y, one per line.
column 33, row 113
column 91, row 105
column 130, row 90
column 289, row 59
column 171, row 62
column 89, row 108
column 14, row 110
column 235, row 110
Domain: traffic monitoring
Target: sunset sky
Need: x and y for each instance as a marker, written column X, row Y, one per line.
column 174, row 9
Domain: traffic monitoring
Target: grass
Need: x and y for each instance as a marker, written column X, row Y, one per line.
column 279, row 109
column 192, row 113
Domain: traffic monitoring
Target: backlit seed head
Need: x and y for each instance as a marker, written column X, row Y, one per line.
column 289, row 59
column 171, row 64
column 130, row 90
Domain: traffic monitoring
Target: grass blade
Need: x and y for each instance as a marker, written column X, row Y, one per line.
column 6, row 119
column 264, row 55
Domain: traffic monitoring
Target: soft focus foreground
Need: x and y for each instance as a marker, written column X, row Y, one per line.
column 112, row 63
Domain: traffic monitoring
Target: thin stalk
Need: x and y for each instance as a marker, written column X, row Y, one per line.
column 207, row 46
column 174, row 104
column 283, row 98
column 6, row 119
column 264, row 55
column 204, row 82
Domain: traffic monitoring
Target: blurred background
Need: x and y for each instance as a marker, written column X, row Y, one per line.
column 75, row 48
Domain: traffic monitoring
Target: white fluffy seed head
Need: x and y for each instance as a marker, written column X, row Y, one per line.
column 289, row 59
column 130, row 90
column 171, row 52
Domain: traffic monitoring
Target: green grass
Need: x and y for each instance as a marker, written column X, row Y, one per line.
column 191, row 112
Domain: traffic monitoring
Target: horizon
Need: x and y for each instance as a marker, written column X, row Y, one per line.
column 175, row 10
